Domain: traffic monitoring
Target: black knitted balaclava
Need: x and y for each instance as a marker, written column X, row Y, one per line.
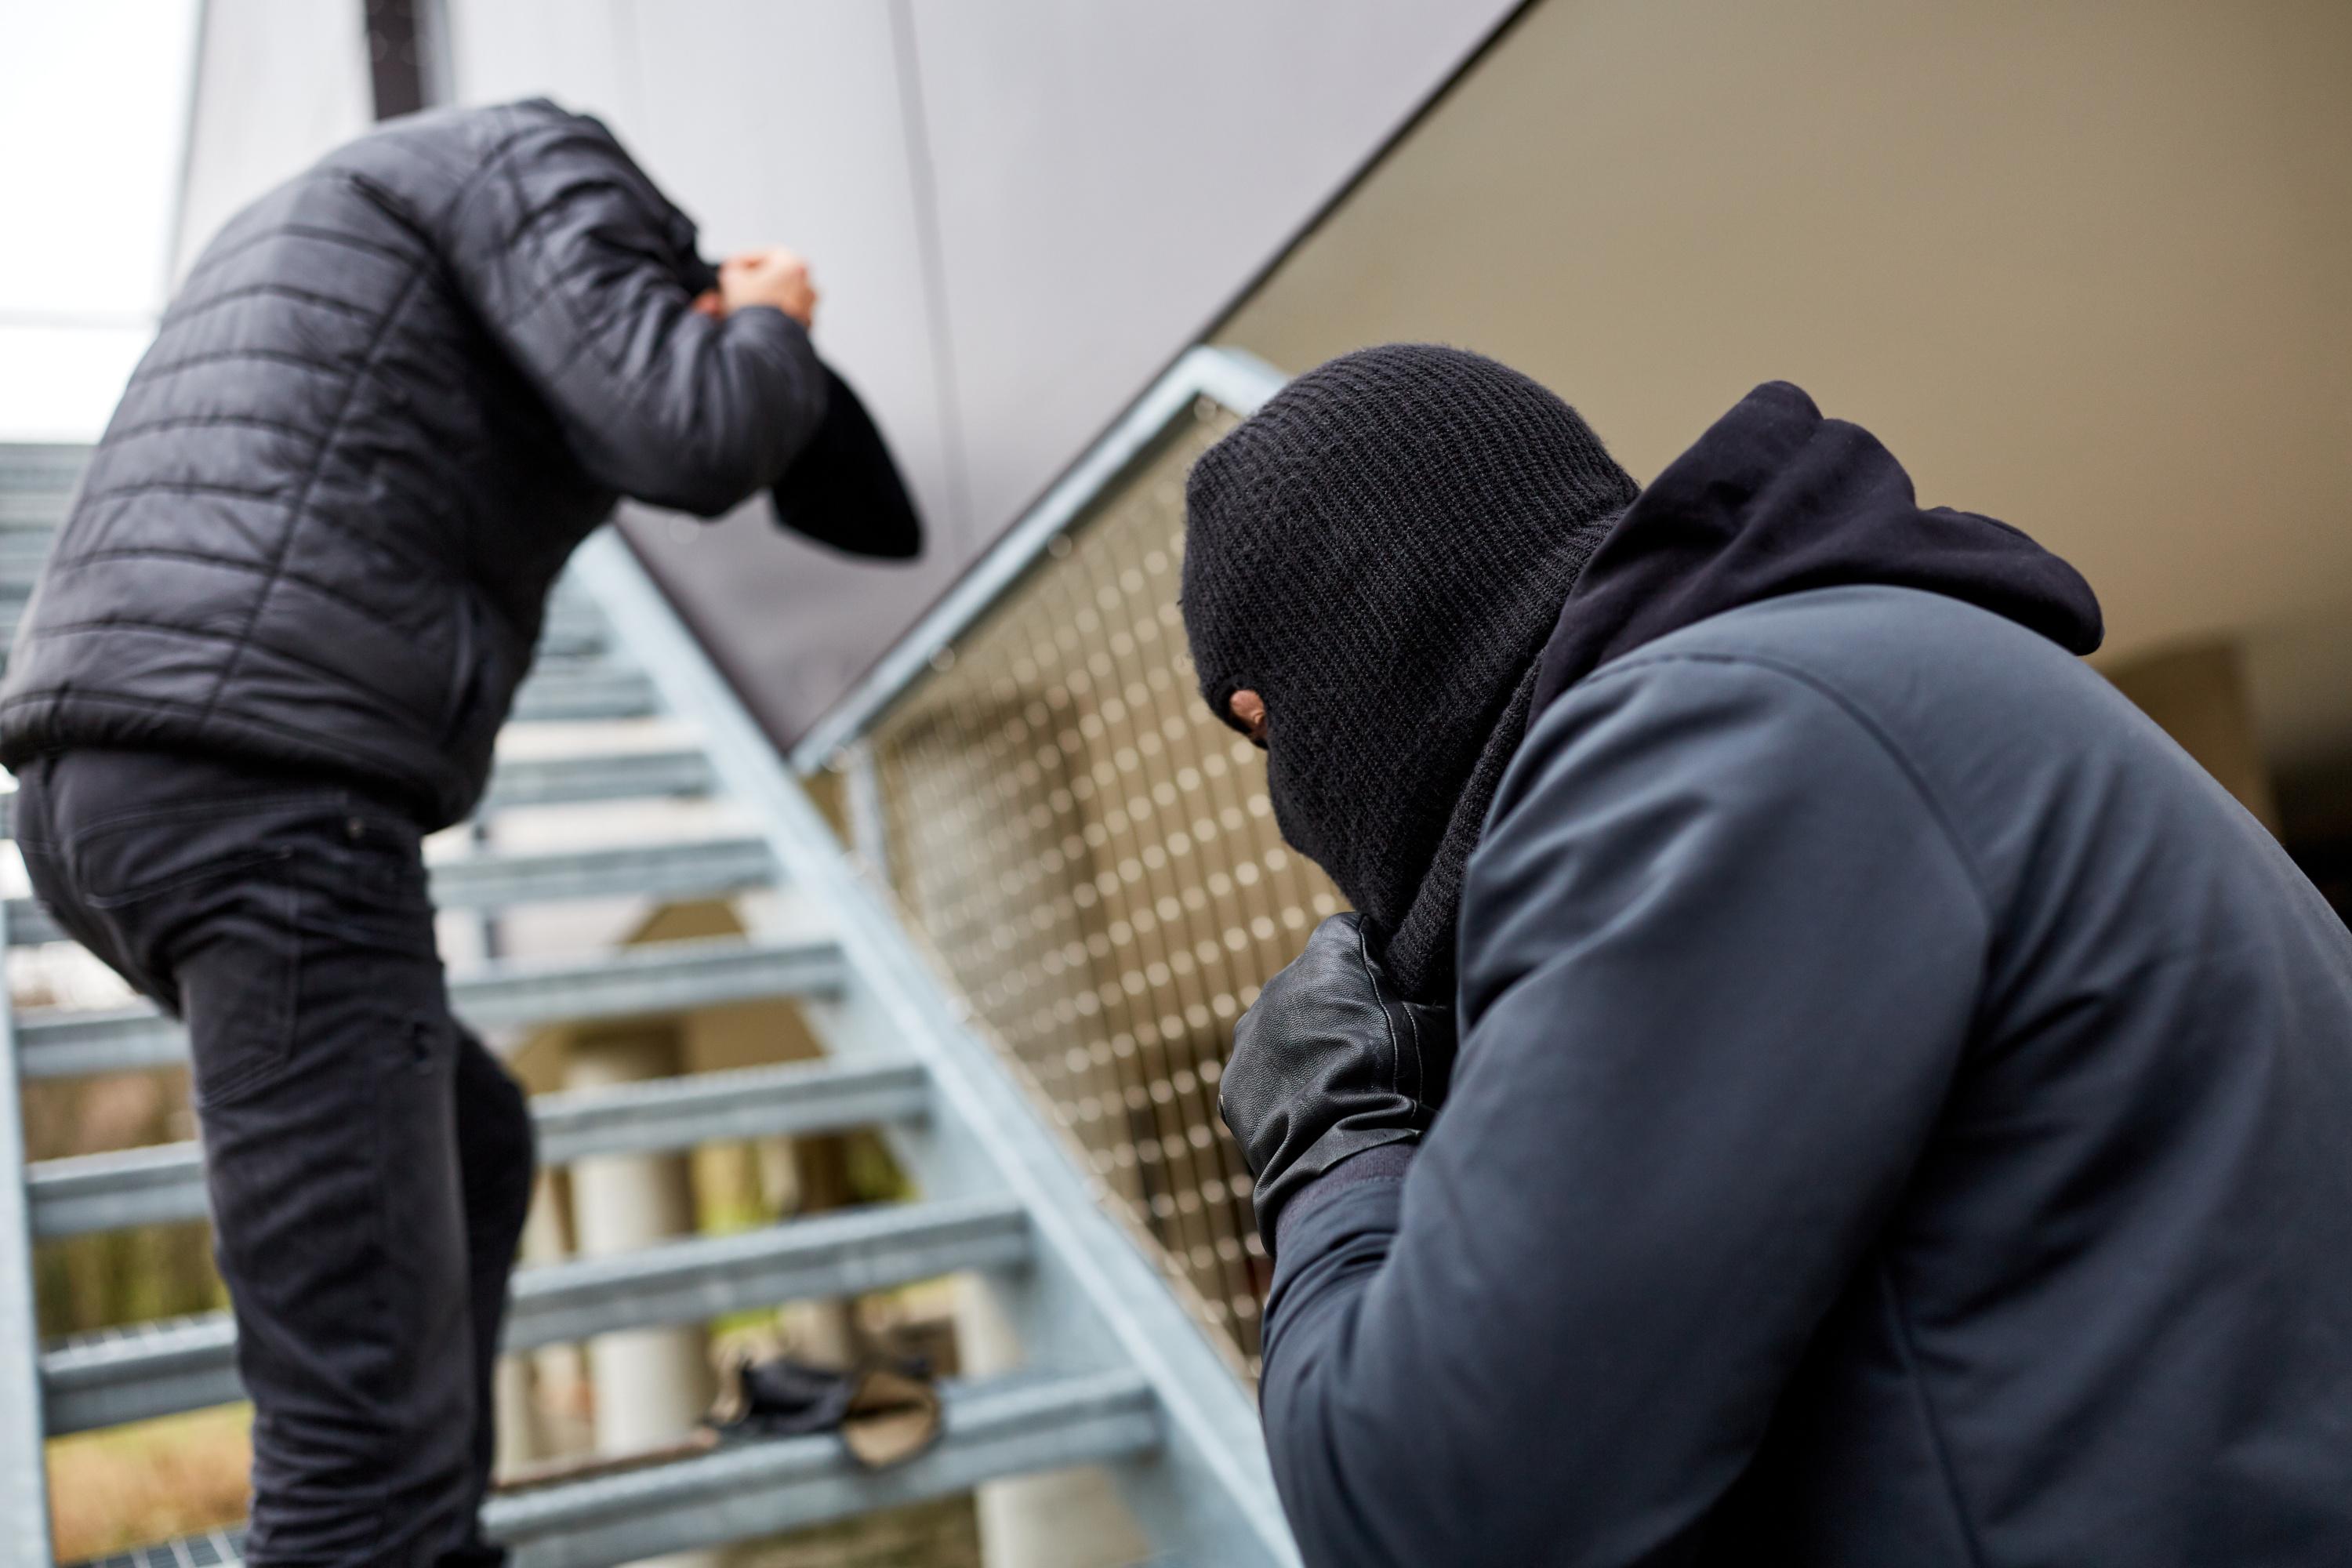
column 1380, row 552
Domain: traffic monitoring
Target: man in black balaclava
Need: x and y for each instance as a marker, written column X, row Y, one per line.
column 1898, row 1108
column 1434, row 509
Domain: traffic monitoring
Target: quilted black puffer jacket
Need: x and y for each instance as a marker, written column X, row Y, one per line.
column 391, row 398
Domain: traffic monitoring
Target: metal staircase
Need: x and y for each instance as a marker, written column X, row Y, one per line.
column 1114, row 1371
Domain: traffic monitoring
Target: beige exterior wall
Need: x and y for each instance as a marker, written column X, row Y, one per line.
column 2085, row 265
column 2199, row 695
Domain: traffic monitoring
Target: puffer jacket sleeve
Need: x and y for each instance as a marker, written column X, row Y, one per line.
column 1719, row 960
column 585, row 275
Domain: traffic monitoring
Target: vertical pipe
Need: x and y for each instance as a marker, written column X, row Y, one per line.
column 1070, row 1519
column 651, row 1385
column 24, row 1472
column 528, row 1430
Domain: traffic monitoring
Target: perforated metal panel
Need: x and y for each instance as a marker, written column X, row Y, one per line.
column 1094, row 860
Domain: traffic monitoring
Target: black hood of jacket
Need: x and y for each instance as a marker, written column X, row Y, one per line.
column 1774, row 500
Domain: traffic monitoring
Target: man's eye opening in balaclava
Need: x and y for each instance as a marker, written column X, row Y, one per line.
column 1249, row 715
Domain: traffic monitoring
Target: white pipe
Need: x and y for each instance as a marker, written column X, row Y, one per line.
column 652, row 1386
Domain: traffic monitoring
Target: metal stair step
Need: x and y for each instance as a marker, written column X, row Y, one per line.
column 187, row 1364
column 695, row 867
column 21, row 551
column 571, row 624
column 659, row 977
column 214, row 1548
column 572, row 627
column 1015, row 1425
column 710, row 867
column 42, row 460
column 590, row 691
column 34, row 508
column 159, row 1185
column 574, row 679
column 580, row 635
column 1020, row 1424
column 671, row 772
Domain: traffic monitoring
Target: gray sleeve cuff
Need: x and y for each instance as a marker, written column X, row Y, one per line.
column 1385, row 1162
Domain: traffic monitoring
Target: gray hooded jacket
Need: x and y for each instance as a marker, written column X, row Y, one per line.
column 1903, row 1116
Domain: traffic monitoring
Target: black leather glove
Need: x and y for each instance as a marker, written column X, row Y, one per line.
column 1326, row 1063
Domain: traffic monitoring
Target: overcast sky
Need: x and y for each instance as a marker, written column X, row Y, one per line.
column 93, row 117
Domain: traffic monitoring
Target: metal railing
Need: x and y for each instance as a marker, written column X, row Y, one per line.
column 1086, row 853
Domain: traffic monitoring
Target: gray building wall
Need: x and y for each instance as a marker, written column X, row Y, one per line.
column 1017, row 212
column 278, row 82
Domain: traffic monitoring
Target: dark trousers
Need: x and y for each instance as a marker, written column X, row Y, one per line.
column 369, row 1164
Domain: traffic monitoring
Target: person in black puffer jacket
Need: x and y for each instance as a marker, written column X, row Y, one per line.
column 275, row 641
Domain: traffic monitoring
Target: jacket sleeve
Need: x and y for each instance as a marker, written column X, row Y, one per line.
column 1718, row 963
column 582, row 272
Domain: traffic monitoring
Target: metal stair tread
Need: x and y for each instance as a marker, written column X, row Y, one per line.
column 654, row 978
column 657, row 869
column 186, row 1364
column 667, row 770
column 214, row 1548
column 86, row 1193
column 1020, row 1424
column 34, row 510
column 23, row 550
column 699, row 867
column 673, row 772
column 593, row 692
column 565, row 635
column 577, row 682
